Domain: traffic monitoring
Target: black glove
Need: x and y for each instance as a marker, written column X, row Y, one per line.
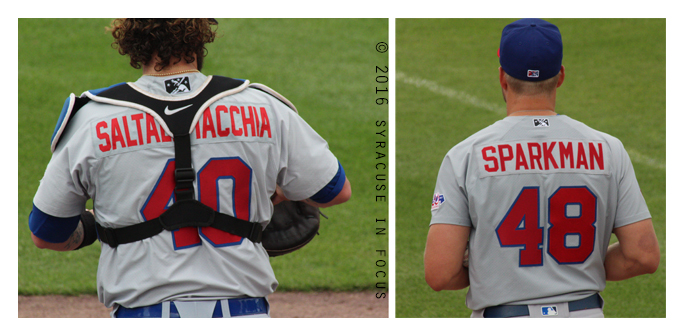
column 293, row 225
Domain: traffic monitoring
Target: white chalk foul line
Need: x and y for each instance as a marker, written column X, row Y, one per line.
column 451, row 93
column 467, row 98
column 644, row 159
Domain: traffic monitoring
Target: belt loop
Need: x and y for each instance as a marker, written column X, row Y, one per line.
column 225, row 308
column 166, row 309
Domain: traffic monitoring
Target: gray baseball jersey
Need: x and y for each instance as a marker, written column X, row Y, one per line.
column 243, row 145
column 542, row 196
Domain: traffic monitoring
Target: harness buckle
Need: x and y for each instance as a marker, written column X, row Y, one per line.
column 185, row 175
column 184, row 189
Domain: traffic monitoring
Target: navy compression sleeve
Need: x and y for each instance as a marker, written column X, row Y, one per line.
column 50, row 228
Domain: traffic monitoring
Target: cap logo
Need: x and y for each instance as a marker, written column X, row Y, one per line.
column 533, row 73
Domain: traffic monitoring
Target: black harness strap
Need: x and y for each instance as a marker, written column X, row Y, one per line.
column 179, row 215
column 186, row 211
column 184, row 173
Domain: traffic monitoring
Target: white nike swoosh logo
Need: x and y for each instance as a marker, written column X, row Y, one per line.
column 170, row 112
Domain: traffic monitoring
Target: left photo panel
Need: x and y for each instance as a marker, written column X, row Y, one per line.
column 203, row 168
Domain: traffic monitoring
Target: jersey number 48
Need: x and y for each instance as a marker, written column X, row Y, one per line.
column 571, row 230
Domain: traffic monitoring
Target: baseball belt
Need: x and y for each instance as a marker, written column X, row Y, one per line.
column 590, row 302
column 238, row 307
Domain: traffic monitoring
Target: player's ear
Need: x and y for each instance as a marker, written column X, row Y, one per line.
column 502, row 79
column 561, row 78
column 503, row 83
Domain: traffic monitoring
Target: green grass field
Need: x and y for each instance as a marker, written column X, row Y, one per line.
column 447, row 89
column 325, row 67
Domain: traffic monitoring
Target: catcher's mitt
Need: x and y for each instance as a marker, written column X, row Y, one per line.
column 89, row 230
column 293, row 225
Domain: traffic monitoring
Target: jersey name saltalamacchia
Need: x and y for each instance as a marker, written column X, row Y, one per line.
column 133, row 131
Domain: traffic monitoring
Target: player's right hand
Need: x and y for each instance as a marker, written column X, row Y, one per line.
column 278, row 196
column 465, row 257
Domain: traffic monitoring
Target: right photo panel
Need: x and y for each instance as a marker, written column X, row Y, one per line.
column 530, row 168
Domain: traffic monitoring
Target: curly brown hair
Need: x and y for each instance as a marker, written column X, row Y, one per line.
column 169, row 38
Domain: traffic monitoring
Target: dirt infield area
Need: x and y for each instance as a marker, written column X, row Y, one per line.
column 286, row 304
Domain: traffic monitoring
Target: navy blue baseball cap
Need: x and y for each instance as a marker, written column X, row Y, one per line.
column 531, row 50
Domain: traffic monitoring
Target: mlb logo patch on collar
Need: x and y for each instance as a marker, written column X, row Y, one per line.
column 177, row 85
column 437, row 200
column 549, row 311
column 541, row 122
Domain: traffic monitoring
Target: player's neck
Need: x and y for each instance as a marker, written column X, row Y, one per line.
column 526, row 105
column 171, row 69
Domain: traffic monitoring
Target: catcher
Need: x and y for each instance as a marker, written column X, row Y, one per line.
column 184, row 170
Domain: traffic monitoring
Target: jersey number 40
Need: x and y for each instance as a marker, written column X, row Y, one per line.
column 208, row 179
column 571, row 230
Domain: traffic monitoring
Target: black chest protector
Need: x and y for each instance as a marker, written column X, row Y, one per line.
column 178, row 116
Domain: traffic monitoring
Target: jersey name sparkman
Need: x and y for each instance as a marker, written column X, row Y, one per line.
column 517, row 157
column 131, row 130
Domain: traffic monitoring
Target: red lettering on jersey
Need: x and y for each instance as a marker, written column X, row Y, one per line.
column 257, row 123
column 548, row 156
column 265, row 123
column 234, row 109
column 489, row 158
column 596, row 156
column 128, row 134
column 103, row 136
column 165, row 137
column 151, row 128
column 520, row 160
column 137, row 118
column 535, row 157
column 566, row 153
column 207, row 124
column 581, row 156
column 503, row 158
column 222, row 132
column 117, row 136
column 198, row 133
column 248, row 120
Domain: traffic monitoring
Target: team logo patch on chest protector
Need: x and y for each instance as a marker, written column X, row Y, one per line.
column 177, row 85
